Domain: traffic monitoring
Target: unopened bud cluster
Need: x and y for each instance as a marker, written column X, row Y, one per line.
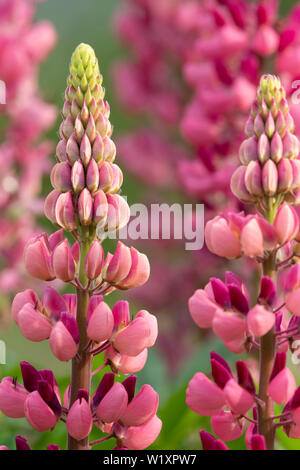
column 269, row 154
column 85, row 179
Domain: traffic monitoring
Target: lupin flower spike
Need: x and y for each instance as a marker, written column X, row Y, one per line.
column 267, row 178
column 81, row 325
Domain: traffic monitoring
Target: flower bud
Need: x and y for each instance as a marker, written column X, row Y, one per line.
column 203, row 396
column 50, row 205
column 140, row 437
column 121, row 363
column 63, row 262
column 92, row 176
column 253, row 179
column 120, row 264
column 100, row 323
column 238, row 399
column 64, row 338
column 285, row 175
column 269, row 178
column 34, row 325
column 113, row 404
column 141, row 408
column 202, row 309
column 220, row 239
column 252, row 240
column 22, row 298
column 139, row 271
column 61, row 177
column 38, row 413
column 12, row 398
column 64, row 212
column 94, row 261
column 226, row 426
column 37, row 258
column 78, row 177
column 276, row 148
column 260, row 320
column 79, row 419
column 286, row 223
column 85, row 207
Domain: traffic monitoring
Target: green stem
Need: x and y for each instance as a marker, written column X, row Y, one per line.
column 267, row 356
column 81, row 365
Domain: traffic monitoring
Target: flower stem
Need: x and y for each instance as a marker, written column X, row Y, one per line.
column 266, row 359
column 81, row 369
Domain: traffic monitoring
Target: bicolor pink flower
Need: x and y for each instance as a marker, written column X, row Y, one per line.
column 80, row 419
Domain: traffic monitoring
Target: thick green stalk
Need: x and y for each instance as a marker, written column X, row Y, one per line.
column 82, row 364
column 266, row 359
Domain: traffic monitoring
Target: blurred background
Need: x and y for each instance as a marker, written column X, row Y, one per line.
column 168, row 148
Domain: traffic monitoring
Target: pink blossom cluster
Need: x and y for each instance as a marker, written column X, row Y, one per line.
column 271, row 324
column 115, row 408
column 23, row 158
column 86, row 202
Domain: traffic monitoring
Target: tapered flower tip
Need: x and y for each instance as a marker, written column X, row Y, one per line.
column 113, row 404
column 64, row 338
column 238, row 399
column 84, row 63
column 34, row 325
column 38, row 413
column 227, row 427
column 209, row 442
column 270, row 88
column 141, row 408
column 203, row 396
column 80, row 419
column 12, row 398
column 4, row 448
column 140, row 437
column 101, row 323
column 125, row 364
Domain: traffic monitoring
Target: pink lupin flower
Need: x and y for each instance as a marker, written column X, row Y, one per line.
column 64, row 337
column 63, row 262
column 141, row 407
column 286, row 223
column 293, row 302
column 203, row 396
column 209, row 442
column 64, row 212
column 260, row 320
column 140, row 437
column 119, row 265
column 38, row 413
column 240, row 394
column 12, row 398
column 22, row 298
column 282, row 383
column 202, row 309
column 121, row 363
column 227, row 427
column 137, row 335
column 100, row 322
column 94, row 261
column 79, row 419
column 139, row 271
column 37, row 258
column 112, row 405
column 220, row 239
column 34, row 325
